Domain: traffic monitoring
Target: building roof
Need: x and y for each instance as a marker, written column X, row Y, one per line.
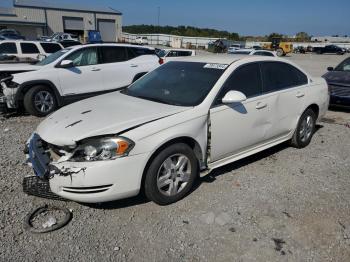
column 58, row 5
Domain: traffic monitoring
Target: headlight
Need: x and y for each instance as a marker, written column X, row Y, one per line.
column 102, row 149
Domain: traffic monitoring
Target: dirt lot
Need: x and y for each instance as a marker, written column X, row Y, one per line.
column 280, row 205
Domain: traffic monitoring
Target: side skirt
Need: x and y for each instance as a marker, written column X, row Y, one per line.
column 243, row 154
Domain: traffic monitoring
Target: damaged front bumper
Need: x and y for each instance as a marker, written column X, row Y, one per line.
column 7, row 97
column 89, row 182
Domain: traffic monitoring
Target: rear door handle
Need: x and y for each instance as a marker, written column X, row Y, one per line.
column 133, row 65
column 299, row 95
column 96, row 69
column 260, row 105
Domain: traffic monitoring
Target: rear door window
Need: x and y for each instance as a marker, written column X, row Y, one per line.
column 50, row 48
column 8, row 48
column 278, row 75
column 29, row 48
column 246, row 79
column 137, row 51
column 113, row 54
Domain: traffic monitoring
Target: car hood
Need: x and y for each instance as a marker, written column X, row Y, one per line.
column 19, row 67
column 107, row 114
column 338, row 78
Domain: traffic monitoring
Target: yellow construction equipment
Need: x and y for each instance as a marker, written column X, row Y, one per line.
column 281, row 48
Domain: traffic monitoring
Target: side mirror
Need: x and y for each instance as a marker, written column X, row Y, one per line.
column 330, row 68
column 66, row 64
column 41, row 57
column 233, row 97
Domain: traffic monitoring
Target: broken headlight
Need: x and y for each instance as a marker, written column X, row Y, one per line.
column 102, row 149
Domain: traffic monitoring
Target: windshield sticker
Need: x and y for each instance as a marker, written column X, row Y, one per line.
column 216, row 66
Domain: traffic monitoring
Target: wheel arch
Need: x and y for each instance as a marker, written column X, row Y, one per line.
column 191, row 142
column 24, row 87
column 315, row 108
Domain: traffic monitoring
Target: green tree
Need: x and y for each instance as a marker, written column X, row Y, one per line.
column 274, row 35
column 303, row 36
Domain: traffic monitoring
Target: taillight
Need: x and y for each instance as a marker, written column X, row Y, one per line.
column 161, row 61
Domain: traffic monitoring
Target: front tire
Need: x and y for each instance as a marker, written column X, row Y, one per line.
column 279, row 52
column 305, row 129
column 171, row 174
column 40, row 101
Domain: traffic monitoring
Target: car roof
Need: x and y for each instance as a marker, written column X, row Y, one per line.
column 27, row 41
column 230, row 59
column 227, row 58
column 113, row 44
column 177, row 49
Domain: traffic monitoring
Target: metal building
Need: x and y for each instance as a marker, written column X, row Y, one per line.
column 35, row 18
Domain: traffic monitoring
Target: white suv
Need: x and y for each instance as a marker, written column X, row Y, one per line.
column 141, row 40
column 76, row 73
column 28, row 50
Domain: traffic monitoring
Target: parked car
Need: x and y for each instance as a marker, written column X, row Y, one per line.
column 141, row 40
column 329, row 49
column 75, row 73
column 59, row 37
column 164, row 54
column 338, row 80
column 234, row 47
column 27, row 50
column 9, row 31
column 247, row 51
column 180, row 121
column 176, row 52
column 9, row 36
column 68, row 43
column 299, row 50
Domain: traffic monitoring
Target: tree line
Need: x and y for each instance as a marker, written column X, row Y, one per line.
column 180, row 30
column 207, row 32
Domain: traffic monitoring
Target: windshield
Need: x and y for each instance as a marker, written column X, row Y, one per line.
column 53, row 57
column 344, row 66
column 177, row 83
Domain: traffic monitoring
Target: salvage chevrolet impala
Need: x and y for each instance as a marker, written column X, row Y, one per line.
column 176, row 123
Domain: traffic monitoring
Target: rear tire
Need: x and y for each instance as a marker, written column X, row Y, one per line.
column 279, row 52
column 171, row 174
column 40, row 101
column 305, row 129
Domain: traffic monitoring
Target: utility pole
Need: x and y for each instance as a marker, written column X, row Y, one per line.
column 158, row 23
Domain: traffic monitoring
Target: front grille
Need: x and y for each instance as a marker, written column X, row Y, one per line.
column 87, row 190
column 38, row 187
column 340, row 91
column 38, row 156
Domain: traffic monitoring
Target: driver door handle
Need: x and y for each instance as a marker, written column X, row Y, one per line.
column 260, row 105
column 96, row 69
column 299, row 95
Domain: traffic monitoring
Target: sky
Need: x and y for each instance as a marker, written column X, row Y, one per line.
column 249, row 17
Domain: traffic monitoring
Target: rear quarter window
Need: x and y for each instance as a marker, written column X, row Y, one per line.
column 50, row 47
column 278, row 75
column 135, row 52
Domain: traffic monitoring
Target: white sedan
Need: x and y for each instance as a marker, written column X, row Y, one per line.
column 176, row 123
column 247, row 51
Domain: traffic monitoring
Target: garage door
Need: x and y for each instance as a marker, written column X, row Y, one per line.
column 107, row 29
column 73, row 23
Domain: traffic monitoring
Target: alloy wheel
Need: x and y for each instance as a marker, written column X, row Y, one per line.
column 174, row 174
column 43, row 101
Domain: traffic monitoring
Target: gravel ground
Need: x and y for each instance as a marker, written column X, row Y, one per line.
column 283, row 204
